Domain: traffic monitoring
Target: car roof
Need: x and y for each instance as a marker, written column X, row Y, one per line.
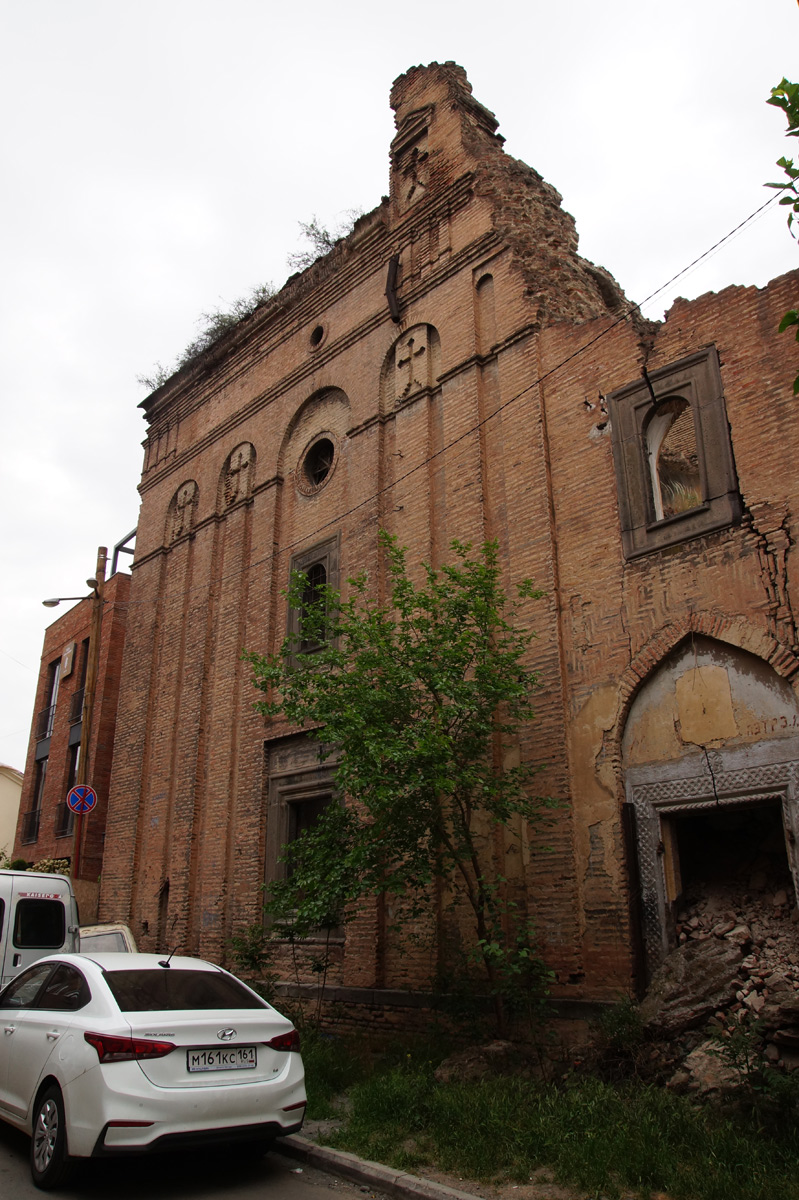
column 109, row 927
column 109, row 960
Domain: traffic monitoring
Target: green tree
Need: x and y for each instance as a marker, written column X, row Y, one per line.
column 786, row 97
column 416, row 698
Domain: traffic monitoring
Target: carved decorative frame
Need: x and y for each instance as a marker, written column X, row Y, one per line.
column 725, row 778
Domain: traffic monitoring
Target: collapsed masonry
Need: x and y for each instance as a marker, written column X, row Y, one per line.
column 736, row 965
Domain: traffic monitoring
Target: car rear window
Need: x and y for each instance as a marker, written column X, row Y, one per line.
column 175, row 989
column 110, row 940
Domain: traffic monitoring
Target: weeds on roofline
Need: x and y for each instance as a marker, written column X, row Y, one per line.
column 212, row 326
column 215, row 324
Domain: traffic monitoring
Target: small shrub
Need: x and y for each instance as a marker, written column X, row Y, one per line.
column 251, row 950
column 619, row 1042
column 49, row 866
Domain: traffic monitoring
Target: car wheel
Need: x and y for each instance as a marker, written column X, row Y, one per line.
column 50, row 1162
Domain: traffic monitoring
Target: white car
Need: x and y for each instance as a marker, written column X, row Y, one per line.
column 106, row 1054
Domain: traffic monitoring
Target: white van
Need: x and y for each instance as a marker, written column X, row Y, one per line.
column 38, row 916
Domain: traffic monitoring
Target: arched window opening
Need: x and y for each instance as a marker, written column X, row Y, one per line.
column 673, row 459
column 311, row 634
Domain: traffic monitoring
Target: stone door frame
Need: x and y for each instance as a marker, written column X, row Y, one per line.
column 717, row 778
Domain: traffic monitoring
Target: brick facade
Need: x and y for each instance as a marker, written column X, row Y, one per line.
column 45, row 828
column 459, row 361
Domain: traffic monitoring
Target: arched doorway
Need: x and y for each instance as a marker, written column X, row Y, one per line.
column 711, row 768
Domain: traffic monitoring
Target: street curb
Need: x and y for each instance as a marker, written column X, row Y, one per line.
column 360, row 1170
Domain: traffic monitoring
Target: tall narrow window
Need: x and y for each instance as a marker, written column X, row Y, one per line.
column 673, row 459
column 45, row 719
column 76, row 703
column 319, row 565
column 64, row 816
column 300, row 786
column 312, row 593
column 30, row 821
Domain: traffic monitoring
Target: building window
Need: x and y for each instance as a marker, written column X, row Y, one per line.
column 319, row 565
column 317, row 463
column 76, row 701
column 30, row 821
column 64, row 816
column 45, row 719
column 672, row 454
column 300, row 786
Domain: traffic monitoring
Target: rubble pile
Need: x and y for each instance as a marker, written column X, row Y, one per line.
column 761, row 919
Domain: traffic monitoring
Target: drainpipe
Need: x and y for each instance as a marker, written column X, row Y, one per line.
column 97, row 584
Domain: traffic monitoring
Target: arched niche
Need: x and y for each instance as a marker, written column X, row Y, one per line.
column 711, row 741
column 181, row 511
column 316, row 434
column 411, row 368
column 236, row 477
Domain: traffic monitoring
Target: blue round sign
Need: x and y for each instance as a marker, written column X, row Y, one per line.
column 82, row 798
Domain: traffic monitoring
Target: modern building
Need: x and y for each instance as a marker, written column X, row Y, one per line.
column 454, row 369
column 47, row 827
column 10, row 793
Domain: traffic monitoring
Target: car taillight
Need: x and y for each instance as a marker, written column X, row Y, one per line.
column 124, row 1049
column 285, row 1041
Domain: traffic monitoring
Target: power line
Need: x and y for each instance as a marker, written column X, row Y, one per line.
column 631, row 308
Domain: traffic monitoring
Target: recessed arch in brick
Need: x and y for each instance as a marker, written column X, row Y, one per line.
column 236, row 477
column 181, row 512
column 411, row 368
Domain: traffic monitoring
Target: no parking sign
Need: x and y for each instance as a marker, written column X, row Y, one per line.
column 81, row 799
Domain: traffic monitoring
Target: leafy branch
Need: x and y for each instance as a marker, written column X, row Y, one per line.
column 321, row 239
column 416, row 699
column 786, row 97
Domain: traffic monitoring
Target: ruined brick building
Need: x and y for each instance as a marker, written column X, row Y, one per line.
column 453, row 368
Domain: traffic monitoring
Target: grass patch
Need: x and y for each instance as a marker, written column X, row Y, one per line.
column 596, row 1136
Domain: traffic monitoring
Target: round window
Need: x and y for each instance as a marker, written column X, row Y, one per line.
column 317, row 464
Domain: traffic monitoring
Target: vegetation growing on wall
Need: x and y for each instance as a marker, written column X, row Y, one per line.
column 420, row 696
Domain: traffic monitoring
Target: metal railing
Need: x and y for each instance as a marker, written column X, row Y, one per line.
column 30, row 825
column 76, row 706
column 64, row 820
column 44, row 722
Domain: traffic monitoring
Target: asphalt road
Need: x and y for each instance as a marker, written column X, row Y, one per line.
column 176, row 1177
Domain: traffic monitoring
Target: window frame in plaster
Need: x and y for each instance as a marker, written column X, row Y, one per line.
column 697, row 381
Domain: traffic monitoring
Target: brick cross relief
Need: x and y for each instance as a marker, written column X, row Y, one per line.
column 412, row 371
column 414, row 170
column 184, row 510
column 236, row 476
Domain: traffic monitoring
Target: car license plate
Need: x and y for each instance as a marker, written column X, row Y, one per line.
column 226, row 1058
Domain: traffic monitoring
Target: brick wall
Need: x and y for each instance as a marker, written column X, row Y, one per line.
column 492, row 424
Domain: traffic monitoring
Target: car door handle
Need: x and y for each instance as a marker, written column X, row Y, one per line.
column 8, row 1029
column 52, row 1034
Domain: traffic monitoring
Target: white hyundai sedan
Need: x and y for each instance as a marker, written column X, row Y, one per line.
column 105, row 1054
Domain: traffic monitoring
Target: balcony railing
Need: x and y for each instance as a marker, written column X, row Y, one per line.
column 64, row 820
column 44, row 722
column 76, row 706
column 30, row 825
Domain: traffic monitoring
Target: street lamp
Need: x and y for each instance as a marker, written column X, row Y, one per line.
column 97, row 584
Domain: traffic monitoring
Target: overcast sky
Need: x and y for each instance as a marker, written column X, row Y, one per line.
column 158, row 155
